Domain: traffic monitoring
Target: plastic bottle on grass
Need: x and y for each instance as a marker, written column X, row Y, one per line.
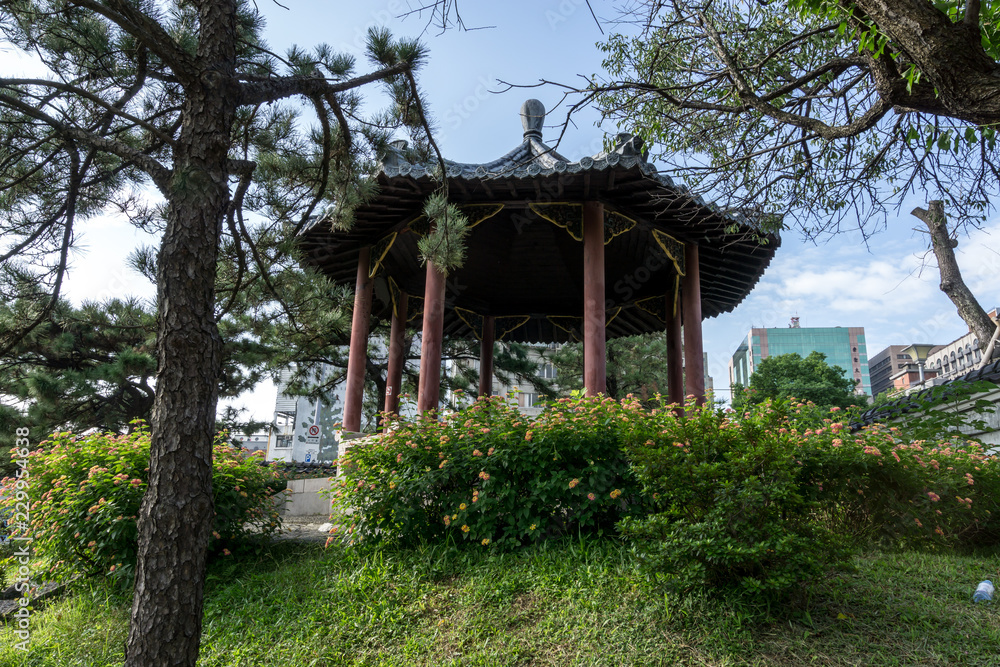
column 984, row 592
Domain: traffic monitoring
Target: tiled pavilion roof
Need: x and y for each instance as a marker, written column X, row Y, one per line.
column 523, row 267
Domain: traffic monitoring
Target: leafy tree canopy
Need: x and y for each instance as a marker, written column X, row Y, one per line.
column 815, row 112
column 790, row 376
column 636, row 365
column 94, row 367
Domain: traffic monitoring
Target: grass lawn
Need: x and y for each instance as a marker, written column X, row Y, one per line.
column 564, row 603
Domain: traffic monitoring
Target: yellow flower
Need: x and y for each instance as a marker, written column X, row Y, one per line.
column 485, row 542
column 573, row 483
column 465, row 528
column 533, row 526
column 462, row 506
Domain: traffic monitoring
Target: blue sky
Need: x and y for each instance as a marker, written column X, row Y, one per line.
column 890, row 287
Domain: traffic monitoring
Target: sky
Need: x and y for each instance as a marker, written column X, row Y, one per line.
column 889, row 287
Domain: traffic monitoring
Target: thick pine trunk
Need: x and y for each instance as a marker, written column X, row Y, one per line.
column 177, row 513
column 951, row 277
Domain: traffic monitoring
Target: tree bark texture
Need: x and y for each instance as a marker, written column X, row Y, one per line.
column 952, row 283
column 175, row 521
column 962, row 76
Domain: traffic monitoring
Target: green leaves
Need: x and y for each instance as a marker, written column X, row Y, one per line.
column 790, row 376
column 86, row 493
column 733, row 511
column 772, row 108
column 486, row 476
column 445, row 244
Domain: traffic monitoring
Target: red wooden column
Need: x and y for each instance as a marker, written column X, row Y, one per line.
column 486, row 356
column 429, row 391
column 594, row 352
column 397, row 339
column 358, row 356
column 694, row 360
column 675, row 353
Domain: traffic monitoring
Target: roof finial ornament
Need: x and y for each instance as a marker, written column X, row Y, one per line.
column 532, row 117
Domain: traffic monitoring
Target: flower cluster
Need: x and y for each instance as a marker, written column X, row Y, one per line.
column 86, row 491
column 500, row 480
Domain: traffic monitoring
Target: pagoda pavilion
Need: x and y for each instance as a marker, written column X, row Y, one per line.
column 557, row 251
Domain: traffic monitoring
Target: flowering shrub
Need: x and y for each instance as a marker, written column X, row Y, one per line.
column 877, row 482
column 85, row 493
column 734, row 511
column 765, row 500
column 486, row 475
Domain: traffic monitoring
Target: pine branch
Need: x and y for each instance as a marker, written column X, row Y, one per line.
column 259, row 90
column 157, row 172
column 148, row 31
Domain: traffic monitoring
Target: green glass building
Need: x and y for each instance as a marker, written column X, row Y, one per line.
column 843, row 346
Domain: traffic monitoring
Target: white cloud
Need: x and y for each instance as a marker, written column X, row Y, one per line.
column 891, row 290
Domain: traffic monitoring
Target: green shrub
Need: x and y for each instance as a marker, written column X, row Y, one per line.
column 85, row 493
column 489, row 476
column 768, row 499
column 734, row 508
column 878, row 483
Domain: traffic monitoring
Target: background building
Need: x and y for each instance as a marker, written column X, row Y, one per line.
column 843, row 346
column 957, row 357
column 303, row 428
column 884, row 365
column 890, row 368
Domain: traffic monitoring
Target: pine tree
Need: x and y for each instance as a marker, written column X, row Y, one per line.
column 177, row 114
